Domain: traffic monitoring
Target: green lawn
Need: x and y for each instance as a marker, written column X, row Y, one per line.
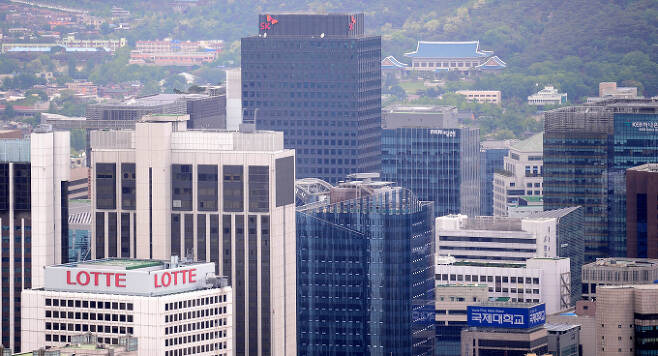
column 412, row 87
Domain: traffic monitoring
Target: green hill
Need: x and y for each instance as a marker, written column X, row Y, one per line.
column 572, row 44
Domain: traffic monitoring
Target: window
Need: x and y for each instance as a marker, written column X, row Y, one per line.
column 105, row 185
column 181, row 187
column 207, row 194
column 233, row 189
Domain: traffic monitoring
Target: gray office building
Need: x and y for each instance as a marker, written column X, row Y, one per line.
column 434, row 158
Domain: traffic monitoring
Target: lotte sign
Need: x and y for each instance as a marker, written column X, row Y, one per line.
column 131, row 282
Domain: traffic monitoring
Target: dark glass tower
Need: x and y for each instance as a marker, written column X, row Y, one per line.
column 316, row 78
column 587, row 150
column 365, row 272
column 439, row 165
column 492, row 155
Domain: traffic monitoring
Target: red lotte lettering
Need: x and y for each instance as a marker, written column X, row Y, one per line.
column 102, row 279
column 174, row 278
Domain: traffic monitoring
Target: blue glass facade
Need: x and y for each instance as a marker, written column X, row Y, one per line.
column 365, row 276
column 79, row 245
column 324, row 93
column 586, row 153
column 439, row 165
column 491, row 160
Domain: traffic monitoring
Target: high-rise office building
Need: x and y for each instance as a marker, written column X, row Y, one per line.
column 225, row 197
column 617, row 272
column 626, row 320
column 365, row 272
column 317, row 78
column 517, row 186
column 587, row 150
column 34, row 174
column 438, row 161
column 642, row 211
column 492, row 154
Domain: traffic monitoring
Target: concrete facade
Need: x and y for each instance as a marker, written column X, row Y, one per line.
column 225, row 197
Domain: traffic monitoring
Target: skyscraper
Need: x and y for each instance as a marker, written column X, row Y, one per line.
column 437, row 160
column 225, row 197
column 316, row 78
column 34, row 174
column 365, row 272
column 642, row 211
column 587, row 150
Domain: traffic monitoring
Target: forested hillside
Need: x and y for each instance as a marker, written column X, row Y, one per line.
column 572, row 44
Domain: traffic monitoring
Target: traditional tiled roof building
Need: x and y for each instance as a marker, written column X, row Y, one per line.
column 463, row 56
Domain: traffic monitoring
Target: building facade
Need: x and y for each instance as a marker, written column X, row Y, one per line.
column 365, row 272
column 539, row 280
column 171, row 308
column 495, row 239
column 225, row 197
column 520, row 179
column 452, row 301
column 492, row 154
column 481, row 96
column 438, row 163
column 587, row 150
column 617, row 271
column 317, row 78
column 34, row 174
column 563, row 339
column 443, row 56
column 626, row 320
column 505, row 329
column 642, row 211
column 547, row 96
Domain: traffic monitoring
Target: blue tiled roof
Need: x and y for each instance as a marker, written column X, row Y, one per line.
column 469, row 49
column 390, row 62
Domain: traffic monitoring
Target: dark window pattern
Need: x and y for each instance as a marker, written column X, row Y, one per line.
column 239, row 285
column 175, row 235
column 201, row 237
column 100, row 235
column 233, row 189
column 112, row 234
column 4, row 188
column 64, row 220
column 265, row 284
column 331, row 111
column 214, row 241
column 252, row 269
column 106, row 186
column 181, row 187
column 207, row 194
column 188, row 229
column 128, row 191
column 259, row 189
column 125, row 235
column 642, row 238
column 226, row 247
column 22, row 187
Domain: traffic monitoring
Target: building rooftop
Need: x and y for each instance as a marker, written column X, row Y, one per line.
column 497, row 145
column 118, row 264
column 621, row 262
column 534, row 143
column 649, row 167
column 497, row 304
column 557, row 213
column 467, row 49
column 560, row 327
column 391, row 62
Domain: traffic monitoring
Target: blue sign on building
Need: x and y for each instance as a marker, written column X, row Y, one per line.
column 506, row 317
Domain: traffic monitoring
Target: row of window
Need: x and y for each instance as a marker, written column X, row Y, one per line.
column 70, row 303
column 194, row 350
column 195, row 314
column 474, row 278
column 108, row 329
column 195, row 338
column 199, row 325
column 88, row 316
column 446, row 64
column 195, row 302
